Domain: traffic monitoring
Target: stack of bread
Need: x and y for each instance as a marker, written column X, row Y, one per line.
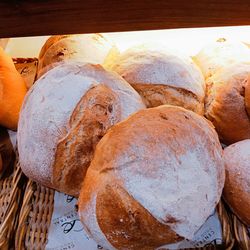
column 126, row 134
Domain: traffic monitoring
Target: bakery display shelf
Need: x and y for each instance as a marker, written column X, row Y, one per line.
column 36, row 214
column 241, row 234
column 11, row 190
column 34, row 18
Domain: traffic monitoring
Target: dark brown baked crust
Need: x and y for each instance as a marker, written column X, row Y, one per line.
column 97, row 111
column 134, row 224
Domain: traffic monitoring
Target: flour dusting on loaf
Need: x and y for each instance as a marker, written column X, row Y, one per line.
column 162, row 77
column 48, row 108
column 163, row 168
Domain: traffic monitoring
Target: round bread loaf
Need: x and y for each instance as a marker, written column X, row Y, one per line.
column 91, row 48
column 154, row 179
column 237, row 185
column 64, row 115
column 220, row 54
column 162, row 77
column 228, row 101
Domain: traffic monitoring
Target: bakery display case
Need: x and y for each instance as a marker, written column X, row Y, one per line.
column 124, row 125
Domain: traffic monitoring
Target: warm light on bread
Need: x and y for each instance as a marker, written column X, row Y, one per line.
column 12, row 92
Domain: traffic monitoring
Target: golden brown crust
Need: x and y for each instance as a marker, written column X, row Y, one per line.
column 92, row 48
column 134, row 224
column 144, row 187
column 237, row 185
column 162, row 77
column 225, row 107
column 159, row 94
column 96, row 112
column 50, row 41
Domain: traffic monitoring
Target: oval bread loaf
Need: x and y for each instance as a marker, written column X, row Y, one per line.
column 64, row 115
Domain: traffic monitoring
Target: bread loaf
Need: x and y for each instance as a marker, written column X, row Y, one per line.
column 154, row 179
column 91, row 48
column 65, row 114
column 220, row 54
column 237, row 185
column 27, row 67
column 12, row 92
column 162, row 77
column 227, row 102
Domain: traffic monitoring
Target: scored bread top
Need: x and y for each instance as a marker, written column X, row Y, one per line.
column 46, row 116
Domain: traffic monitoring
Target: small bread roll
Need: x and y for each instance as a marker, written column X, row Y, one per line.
column 221, row 54
column 227, row 102
column 12, row 92
column 237, row 185
column 154, row 179
column 162, row 77
column 91, row 48
column 64, row 115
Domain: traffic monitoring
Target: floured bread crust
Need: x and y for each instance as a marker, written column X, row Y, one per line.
column 220, row 54
column 64, row 115
column 90, row 48
column 237, row 185
column 162, row 77
column 154, row 179
column 226, row 102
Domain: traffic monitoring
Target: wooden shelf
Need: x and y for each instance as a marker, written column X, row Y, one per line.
column 33, row 18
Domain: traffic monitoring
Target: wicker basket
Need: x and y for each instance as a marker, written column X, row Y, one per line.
column 11, row 191
column 241, row 234
column 37, row 209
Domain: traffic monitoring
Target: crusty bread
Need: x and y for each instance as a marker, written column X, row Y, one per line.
column 227, row 102
column 154, row 179
column 64, row 115
column 162, row 77
column 91, row 48
column 220, row 54
column 237, row 185
column 27, row 67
